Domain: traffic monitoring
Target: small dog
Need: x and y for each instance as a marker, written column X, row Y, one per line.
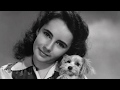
column 74, row 67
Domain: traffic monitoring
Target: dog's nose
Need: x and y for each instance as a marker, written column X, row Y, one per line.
column 69, row 68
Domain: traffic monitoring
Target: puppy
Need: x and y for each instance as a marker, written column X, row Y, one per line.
column 74, row 67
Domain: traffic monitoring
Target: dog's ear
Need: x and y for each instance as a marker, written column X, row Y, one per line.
column 65, row 56
column 86, row 67
column 63, row 59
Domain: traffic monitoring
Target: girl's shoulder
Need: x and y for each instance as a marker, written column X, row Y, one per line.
column 6, row 70
column 13, row 66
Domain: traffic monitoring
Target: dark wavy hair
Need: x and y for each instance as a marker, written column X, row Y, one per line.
column 24, row 48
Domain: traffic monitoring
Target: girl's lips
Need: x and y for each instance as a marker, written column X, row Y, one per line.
column 43, row 54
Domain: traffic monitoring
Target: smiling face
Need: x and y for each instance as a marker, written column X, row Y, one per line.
column 53, row 40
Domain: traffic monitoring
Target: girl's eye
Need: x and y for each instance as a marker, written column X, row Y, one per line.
column 61, row 45
column 46, row 34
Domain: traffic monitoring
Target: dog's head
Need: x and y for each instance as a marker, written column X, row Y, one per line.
column 71, row 65
column 75, row 65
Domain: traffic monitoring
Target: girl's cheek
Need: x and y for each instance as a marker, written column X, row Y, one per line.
column 41, row 39
column 58, row 51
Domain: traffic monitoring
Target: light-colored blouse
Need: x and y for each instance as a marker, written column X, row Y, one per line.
column 18, row 70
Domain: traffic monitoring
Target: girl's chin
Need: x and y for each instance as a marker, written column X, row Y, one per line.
column 46, row 60
column 41, row 58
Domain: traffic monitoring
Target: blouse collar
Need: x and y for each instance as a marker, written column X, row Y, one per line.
column 50, row 72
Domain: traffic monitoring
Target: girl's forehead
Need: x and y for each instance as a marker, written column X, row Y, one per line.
column 59, row 30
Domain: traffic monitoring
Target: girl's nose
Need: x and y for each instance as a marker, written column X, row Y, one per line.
column 48, row 48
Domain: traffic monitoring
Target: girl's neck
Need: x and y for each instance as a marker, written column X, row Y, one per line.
column 40, row 65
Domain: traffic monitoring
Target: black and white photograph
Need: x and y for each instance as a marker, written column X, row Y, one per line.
column 59, row 44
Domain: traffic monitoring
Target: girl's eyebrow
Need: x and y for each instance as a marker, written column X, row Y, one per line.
column 48, row 32
column 63, row 43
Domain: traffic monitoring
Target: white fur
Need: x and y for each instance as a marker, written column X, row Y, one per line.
column 79, row 65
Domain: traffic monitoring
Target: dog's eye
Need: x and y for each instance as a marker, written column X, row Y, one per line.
column 68, row 61
column 77, row 64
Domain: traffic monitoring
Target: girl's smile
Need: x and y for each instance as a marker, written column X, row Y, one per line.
column 43, row 54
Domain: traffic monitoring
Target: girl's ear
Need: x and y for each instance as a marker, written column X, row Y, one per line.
column 37, row 32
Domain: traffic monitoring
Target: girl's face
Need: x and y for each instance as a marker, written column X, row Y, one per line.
column 53, row 40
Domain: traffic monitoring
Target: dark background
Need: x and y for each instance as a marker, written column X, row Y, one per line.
column 103, row 41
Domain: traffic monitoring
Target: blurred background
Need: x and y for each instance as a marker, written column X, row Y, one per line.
column 103, row 40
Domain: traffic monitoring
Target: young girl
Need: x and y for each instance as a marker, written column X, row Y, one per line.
column 53, row 34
